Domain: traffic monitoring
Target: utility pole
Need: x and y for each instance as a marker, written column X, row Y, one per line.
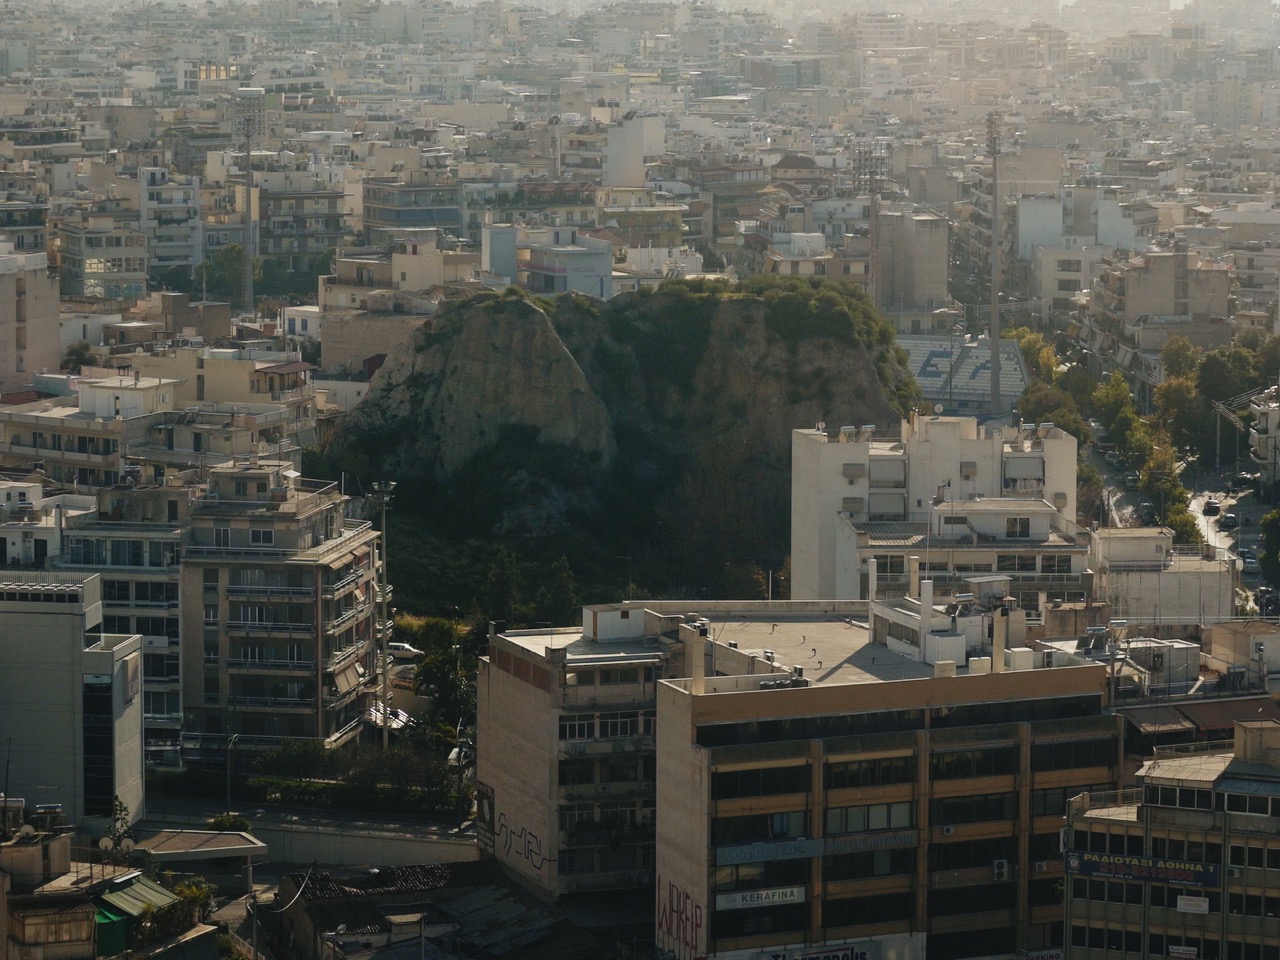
column 382, row 491
column 250, row 112
column 993, row 151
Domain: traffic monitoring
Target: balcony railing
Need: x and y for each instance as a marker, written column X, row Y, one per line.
column 331, row 591
column 344, row 620
column 271, row 593
column 272, row 703
column 260, row 627
column 249, row 663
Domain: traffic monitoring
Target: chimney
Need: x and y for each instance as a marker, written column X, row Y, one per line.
column 913, row 571
column 871, row 578
column 695, row 647
column 999, row 638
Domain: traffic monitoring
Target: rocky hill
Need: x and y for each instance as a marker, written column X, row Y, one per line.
column 654, row 422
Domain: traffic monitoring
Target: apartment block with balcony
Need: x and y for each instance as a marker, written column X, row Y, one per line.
column 23, row 222
column 30, row 332
column 101, row 256
column 1182, row 864
column 397, row 206
column 1143, row 575
column 279, row 617
column 855, row 489
column 580, row 704
column 83, row 441
column 168, row 213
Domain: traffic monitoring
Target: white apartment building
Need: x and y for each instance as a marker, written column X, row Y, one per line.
column 1143, row 576
column 853, row 483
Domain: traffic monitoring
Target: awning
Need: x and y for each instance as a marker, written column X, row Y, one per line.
column 1152, row 720
column 139, row 897
column 347, row 678
column 1257, row 788
column 1223, row 714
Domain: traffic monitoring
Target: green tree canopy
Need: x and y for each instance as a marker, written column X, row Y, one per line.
column 1180, row 358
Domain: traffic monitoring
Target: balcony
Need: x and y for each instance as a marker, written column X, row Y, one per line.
column 588, row 791
column 340, row 588
column 267, row 629
column 383, row 592
column 283, row 666
column 272, row 703
column 271, row 593
column 637, row 743
column 344, row 620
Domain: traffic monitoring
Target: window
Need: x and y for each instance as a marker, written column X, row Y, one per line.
column 615, row 725
column 870, row 773
column 1070, row 266
column 1015, row 563
column 262, row 537
column 958, row 764
column 1059, row 564
column 1068, row 286
column 875, row 816
column 580, row 726
column 1073, row 753
column 222, row 537
column 210, row 614
column 879, row 908
column 1017, row 528
column 757, row 828
column 891, row 564
column 954, row 521
column 880, row 863
column 760, row 783
column 996, row 806
column 242, row 488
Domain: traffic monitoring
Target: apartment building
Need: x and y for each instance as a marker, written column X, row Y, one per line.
column 561, row 260
column 101, row 256
column 1182, row 864
column 85, row 440
column 70, row 697
column 32, row 525
column 410, row 200
column 1160, row 284
column 1264, row 435
column 23, row 223
column 29, row 327
column 1143, row 575
column 856, row 493
column 279, row 616
column 168, row 212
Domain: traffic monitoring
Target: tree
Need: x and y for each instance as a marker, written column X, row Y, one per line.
column 1226, row 372
column 1180, row 410
column 1180, row 358
column 1111, row 398
column 558, row 602
column 79, row 354
column 223, row 274
column 1269, row 561
column 1090, row 493
column 502, row 587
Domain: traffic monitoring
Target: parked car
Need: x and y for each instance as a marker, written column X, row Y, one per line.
column 1251, row 565
column 1228, row 521
column 1132, row 479
column 403, row 651
column 1212, row 507
column 1112, row 457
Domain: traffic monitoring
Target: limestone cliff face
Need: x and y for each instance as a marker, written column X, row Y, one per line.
column 465, row 379
column 675, row 407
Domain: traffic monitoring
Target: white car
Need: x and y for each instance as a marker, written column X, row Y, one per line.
column 1251, row 565
column 402, row 651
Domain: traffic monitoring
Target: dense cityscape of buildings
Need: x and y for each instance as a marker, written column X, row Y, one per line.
column 978, row 727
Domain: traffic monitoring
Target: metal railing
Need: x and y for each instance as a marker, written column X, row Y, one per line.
column 263, row 627
column 252, row 664
column 272, row 702
column 247, row 590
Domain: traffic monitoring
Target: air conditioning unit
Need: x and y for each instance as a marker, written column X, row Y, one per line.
column 1042, row 866
column 999, row 870
column 1235, row 873
column 948, row 831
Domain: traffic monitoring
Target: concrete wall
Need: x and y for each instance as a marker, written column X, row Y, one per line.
column 346, row 342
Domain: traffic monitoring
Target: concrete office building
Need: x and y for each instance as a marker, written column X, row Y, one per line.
column 855, row 486
column 70, row 698
column 815, row 787
column 1183, row 864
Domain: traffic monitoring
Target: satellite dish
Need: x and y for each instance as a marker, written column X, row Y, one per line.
column 937, row 408
column 127, row 845
column 822, row 424
column 106, row 843
column 26, row 830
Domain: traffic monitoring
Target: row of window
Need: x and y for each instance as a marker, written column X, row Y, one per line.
column 1132, row 845
column 141, row 591
column 607, row 726
column 1170, row 944
column 949, row 765
column 147, row 626
column 1047, row 709
column 612, row 676
column 93, row 551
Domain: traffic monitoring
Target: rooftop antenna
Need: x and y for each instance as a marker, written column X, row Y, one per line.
column 993, row 150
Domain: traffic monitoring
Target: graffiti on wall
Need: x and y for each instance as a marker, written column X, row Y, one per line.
column 522, row 845
column 680, row 916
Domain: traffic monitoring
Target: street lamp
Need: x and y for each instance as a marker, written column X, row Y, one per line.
column 231, row 744
column 382, row 491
